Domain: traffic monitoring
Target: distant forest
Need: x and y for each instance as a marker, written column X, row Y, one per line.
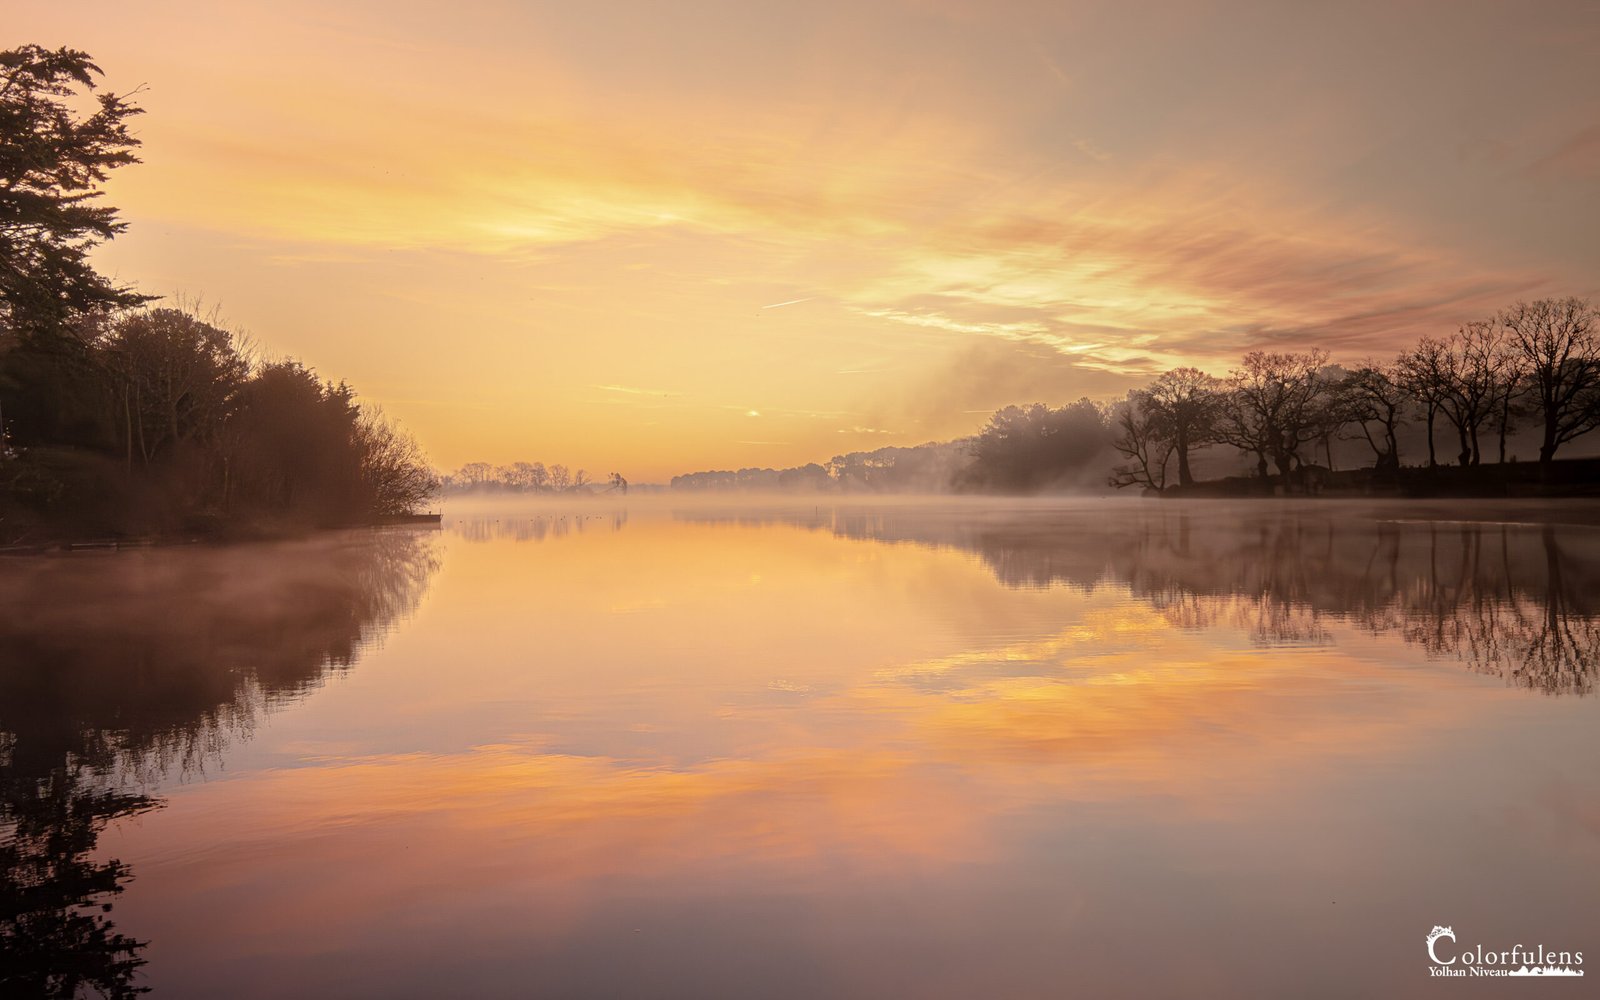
column 119, row 418
column 526, row 477
column 929, row 468
column 1279, row 422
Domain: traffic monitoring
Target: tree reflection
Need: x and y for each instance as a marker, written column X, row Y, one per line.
column 1546, row 638
column 56, row 936
column 535, row 527
column 1517, row 601
column 115, row 670
column 1507, row 597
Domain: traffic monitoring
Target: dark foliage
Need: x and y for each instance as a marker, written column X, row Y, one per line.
column 51, row 163
column 118, row 419
column 153, row 421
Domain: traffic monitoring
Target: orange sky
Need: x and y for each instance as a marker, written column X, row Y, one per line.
column 652, row 237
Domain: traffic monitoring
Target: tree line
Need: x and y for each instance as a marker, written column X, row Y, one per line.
column 118, row 416
column 526, row 477
column 1534, row 365
column 927, row 468
column 1533, row 369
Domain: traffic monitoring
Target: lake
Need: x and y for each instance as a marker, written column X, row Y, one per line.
column 805, row 748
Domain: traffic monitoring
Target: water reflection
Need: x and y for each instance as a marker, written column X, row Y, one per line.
column 937, row 750
column 536, row 526
column 1514, row 599
column 117, row 669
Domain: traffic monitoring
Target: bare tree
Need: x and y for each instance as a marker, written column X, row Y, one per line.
column 1277, row 404
column 392, row 468
column 538, row 476
column 560, row 478
column 1242, row 427
column 1475, row 365
column 1509, row 404
column 1372, row 395
column 1557, row 339
column 1145, row 438
column 1424, row 373
column 1189, row 403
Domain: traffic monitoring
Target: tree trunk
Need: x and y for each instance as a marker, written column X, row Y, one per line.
column 1281, row 459
column 127, row 423
column 1184, row 478
column 144, row 450
column 1547, row 450
column 1505, row 418
column 1433, row 460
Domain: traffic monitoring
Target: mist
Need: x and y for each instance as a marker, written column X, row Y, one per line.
column 866, row 500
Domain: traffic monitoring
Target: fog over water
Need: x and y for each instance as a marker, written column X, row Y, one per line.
column 937, row 747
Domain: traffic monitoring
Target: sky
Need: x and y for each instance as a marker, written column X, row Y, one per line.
column 653, row 238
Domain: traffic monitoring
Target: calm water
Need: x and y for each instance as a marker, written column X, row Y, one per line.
column 954, row 749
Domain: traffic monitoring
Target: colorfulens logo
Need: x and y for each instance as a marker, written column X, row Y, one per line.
column 1518, row 960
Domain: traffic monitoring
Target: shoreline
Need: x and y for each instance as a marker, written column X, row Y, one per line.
column 230, row 535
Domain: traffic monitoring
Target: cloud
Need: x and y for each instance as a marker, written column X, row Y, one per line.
column 555, row 190
column 952, row 398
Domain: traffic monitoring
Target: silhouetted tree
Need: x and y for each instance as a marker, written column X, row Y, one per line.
column 115, row 418
column 294, row 445
column 1372, row 395
column 395, row 477
column 52, row 162
column 1424, row 372
column 524, row 475
column 175, row 377
column 1509, row 404
column 1474, row 365
column 1145, row 437
column 1560, row 346
column 1277, row 404
column 1188, row 403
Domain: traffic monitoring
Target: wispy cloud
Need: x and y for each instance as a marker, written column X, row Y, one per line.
column 1044, row 199
column 635, row 391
